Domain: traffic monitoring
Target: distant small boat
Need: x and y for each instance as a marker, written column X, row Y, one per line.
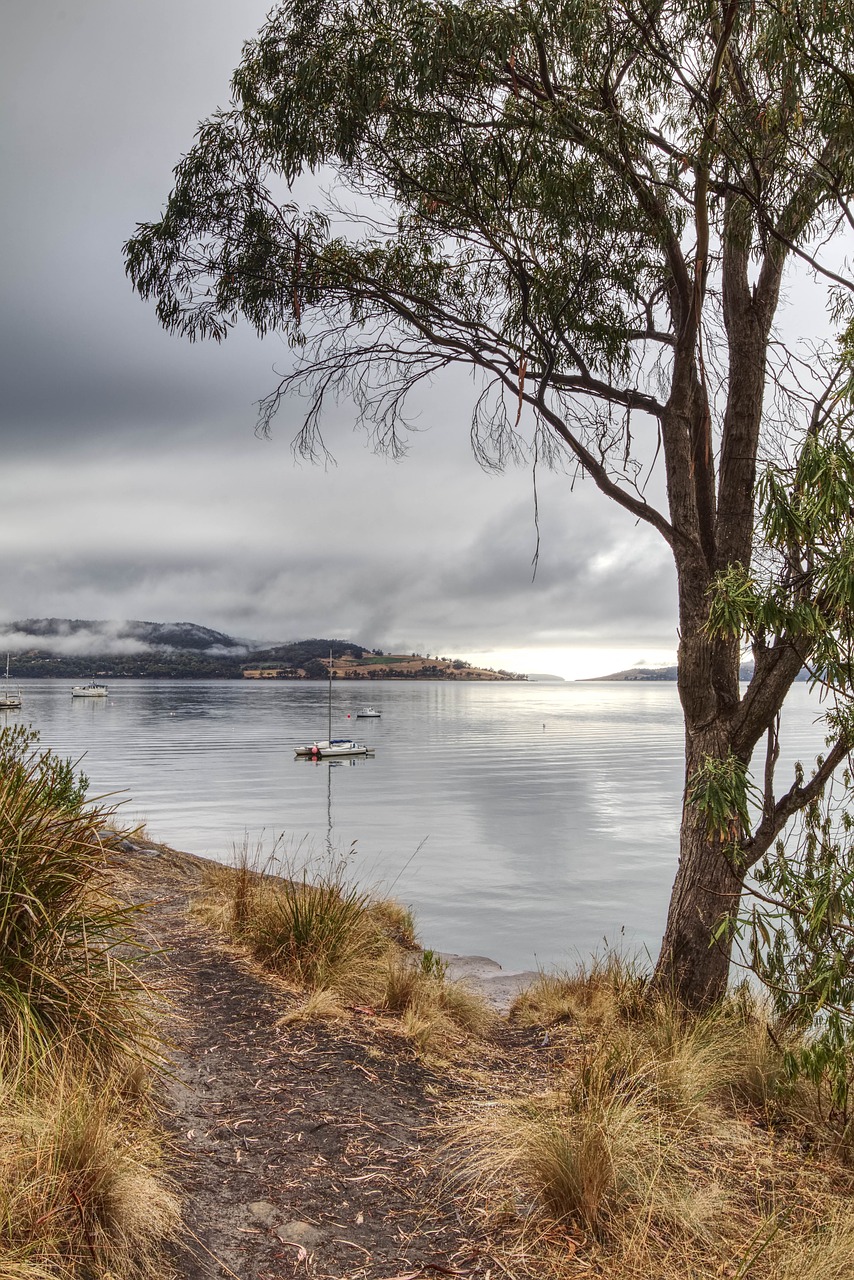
column 368, row 713
column 90, row 690
column 10, row 699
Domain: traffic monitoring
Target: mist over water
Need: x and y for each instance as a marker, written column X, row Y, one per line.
column 520, row 821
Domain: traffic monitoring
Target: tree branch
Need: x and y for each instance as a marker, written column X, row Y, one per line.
column 795, row 799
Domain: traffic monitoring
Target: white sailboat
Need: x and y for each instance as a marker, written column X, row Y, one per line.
column 10, row 699
column 332, row 747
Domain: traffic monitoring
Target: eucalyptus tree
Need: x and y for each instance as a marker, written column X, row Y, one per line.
column 594, row 204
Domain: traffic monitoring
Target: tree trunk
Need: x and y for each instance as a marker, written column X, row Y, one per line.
column 691, row 966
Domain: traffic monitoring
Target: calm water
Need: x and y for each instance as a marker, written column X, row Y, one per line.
column 523, row 822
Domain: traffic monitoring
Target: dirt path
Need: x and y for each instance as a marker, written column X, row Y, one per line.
column 301, row 1150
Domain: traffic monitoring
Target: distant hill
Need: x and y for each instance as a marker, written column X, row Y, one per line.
column 745, row 672
column 75, row 648
column 638, row 673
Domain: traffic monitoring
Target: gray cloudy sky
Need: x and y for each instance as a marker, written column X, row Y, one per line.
column 131, row 482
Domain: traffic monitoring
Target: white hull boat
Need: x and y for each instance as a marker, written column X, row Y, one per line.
column 90, row 690
column 368, row 713
column 337, row 747
column 10, row 699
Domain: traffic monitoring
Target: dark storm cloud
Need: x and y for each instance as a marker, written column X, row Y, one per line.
column 100, row 100
column 594, row 577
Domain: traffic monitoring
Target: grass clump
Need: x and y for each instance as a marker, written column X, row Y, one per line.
column 594, row 1155
column 316, row 933
column 81, row 1188
column 325, row 935
column 431, row 1006
column 609, row 988
column 63, row 939
column 736, row 1051
column 81, row 1193
column 656, row 1143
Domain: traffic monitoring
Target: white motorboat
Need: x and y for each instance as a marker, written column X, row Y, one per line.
column 90, row 690
column 368, row 713
column 337, row 747
column 332, row 746
column 10, row 699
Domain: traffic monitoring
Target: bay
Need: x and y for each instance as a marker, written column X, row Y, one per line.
column 527, row 822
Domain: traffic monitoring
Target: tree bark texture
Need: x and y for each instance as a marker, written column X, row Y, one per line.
column 692, row 967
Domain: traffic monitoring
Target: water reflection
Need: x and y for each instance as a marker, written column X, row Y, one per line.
column 329, row 767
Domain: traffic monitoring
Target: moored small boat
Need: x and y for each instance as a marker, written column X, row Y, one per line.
column 332, row 746
column 337, row 747
column 368, row 713
column 90, row 690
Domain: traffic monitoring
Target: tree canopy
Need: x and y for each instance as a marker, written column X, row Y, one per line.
column 594, row 203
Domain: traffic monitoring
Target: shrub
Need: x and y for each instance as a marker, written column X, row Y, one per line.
column 55, row 780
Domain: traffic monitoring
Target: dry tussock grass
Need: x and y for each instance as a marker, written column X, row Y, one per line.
column 344, row 947
column 81, row 1185
column 322, row 1004
column 597, row 994
column 396, row 921
column 81, row 1189
column 660, row 1146
column 824, row 1251
column 432, row 1006
column 316, row 934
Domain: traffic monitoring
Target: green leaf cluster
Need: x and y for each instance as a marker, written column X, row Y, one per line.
column 402, row 184
column 797, row 931
column 722, row 790
column 59, row 785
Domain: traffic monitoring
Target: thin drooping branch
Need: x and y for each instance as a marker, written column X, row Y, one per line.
column 599, row 474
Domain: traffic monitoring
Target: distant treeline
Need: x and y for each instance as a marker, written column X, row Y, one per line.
column 181, row 664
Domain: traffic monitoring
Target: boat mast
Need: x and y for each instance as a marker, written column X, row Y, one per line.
column 329, row 731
